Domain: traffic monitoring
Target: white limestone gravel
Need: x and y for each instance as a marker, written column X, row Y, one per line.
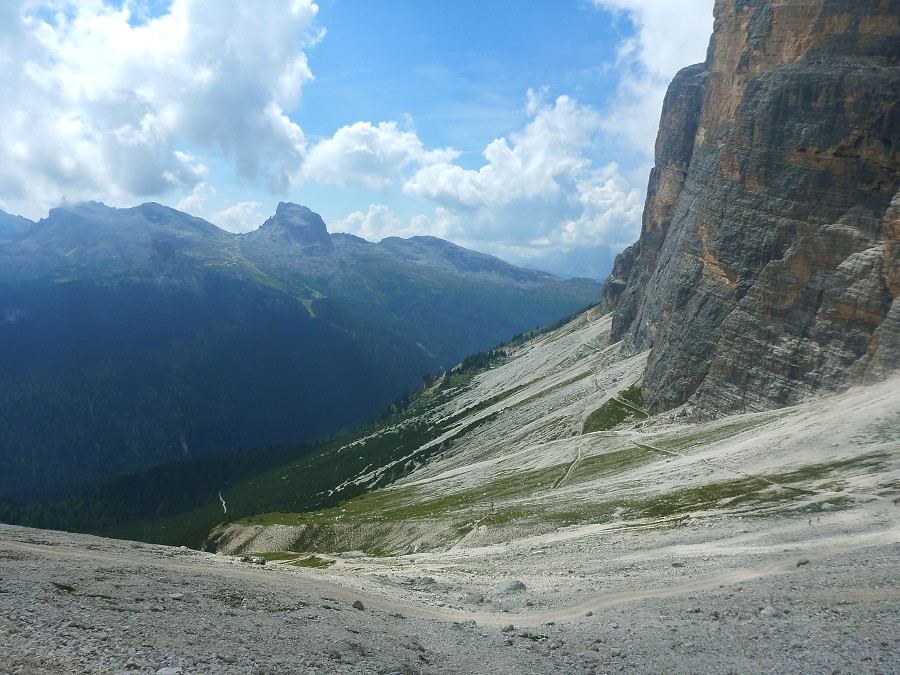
column 725, row 596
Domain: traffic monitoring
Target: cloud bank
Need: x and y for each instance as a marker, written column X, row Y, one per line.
column 369, row 156
column 104, row 102
column 115, row 102
column 538, row 189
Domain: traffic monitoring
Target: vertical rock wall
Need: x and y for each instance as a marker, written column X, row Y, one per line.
column 768, row 261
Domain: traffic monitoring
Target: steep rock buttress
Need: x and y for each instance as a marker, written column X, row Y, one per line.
column 768, row 265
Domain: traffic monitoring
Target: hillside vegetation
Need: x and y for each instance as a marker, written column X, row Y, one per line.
column 552, row 436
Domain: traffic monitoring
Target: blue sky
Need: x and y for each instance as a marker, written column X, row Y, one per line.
column 523, row 129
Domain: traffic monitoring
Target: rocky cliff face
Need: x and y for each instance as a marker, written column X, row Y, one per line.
column 767, row 267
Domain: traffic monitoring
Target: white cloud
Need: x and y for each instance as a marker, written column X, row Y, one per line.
column 103, row 102
column 376, row 224
column 241, row 217
column 610, row 214
column 537, row 190
column 194, row 203
column 669, row 36
column 543, row 161
column 369, row 156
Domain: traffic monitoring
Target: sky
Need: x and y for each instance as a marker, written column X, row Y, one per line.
column 521, row 129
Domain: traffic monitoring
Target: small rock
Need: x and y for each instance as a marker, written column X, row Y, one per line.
column 509, row 586
column 171, row 670
column 677, row 564
column 357, row 604
column 508, row 629
column 802, row 562
column 177, row 596
column 769, row 612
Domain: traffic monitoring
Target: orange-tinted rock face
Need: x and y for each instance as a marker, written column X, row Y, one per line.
column 768, row 262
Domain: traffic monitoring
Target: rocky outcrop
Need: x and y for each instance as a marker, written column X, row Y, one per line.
column 301, row 225
column 674, row 147
column 767, row 264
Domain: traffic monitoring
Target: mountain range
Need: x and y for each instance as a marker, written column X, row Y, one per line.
column 699, row 475
column 143, row 335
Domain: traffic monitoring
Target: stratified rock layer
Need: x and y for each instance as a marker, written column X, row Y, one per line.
column 767, row 267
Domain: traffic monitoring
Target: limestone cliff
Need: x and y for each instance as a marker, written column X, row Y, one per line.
column 768, row 263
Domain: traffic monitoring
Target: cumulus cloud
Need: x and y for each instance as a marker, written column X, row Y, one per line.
column 241, row 217
column 102, row 101
column 538, row 189
column 610, row 212
column 195, row 201
column 539, row 162
column 369, row 156
column 378, row 222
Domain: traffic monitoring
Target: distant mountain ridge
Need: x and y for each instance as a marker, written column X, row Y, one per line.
column 143, row 335
column 12, row 227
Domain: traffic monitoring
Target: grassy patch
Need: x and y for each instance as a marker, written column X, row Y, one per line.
column 610, row 463
column 230, row 598
column 837, row 470
column 730, row 494
column 545, row 392
column 314, row 562
column 888, row 488
column 628, row 407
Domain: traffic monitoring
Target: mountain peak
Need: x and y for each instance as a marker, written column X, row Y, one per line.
column 302, row 224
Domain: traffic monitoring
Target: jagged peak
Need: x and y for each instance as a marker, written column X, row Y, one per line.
column 304, row 225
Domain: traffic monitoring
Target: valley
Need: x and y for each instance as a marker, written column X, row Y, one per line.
column 516, row 461
column 758, row 541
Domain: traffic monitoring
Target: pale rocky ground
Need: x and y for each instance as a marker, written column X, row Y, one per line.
column 792, row 566
column 724, row 596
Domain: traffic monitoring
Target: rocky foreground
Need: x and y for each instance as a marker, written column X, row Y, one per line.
column 816, row 594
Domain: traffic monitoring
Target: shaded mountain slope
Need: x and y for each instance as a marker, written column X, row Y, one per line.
column 12, row 227
column 138, row 336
